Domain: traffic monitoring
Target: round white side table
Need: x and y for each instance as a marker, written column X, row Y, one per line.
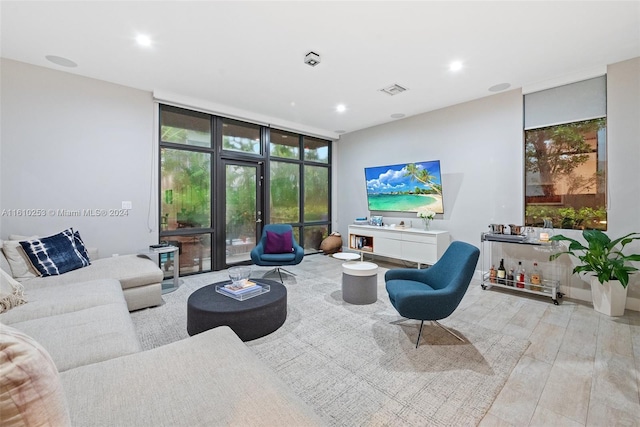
column 346, row 256
column 360, row 282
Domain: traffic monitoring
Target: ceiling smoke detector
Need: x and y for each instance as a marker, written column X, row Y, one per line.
column 394, row 89
column 312, row 59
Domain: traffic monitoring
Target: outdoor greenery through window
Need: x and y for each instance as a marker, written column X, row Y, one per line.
column 565, row 175
column 316, row 193
column 186, row 189
column 243, row 137
column 285, row 192
column 316, row 150
column 182, row 129
column 284, row 144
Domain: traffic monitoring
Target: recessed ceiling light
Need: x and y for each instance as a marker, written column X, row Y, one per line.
column 455, row 66
column 143, row 40
column 499, row 87
column 312, row 59
column 397, row 115
column 59, row 60
column 341, row 108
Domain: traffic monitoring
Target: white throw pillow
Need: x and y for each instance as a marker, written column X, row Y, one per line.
column 11, row 292
column 4, row 263
column 31, row 393
column 21, row 267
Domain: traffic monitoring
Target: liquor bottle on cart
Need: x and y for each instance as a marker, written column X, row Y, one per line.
column 536, row 278
column 521, row 276
column 492, row 274
column 502, row 273
column 511, row 278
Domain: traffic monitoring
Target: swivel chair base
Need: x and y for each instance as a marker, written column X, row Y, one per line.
column 278, row 270
column 396, row 322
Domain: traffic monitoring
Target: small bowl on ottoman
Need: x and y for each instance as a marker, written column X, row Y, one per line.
column 239, row 274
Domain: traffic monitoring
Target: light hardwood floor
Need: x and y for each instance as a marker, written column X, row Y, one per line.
column 581, row 368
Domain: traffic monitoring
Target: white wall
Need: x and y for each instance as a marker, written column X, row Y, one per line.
column 70, row 142
column 480, row 147
column 623, row 148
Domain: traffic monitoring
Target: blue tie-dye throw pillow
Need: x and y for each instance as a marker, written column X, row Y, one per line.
column 56, row 254
column 81, row 247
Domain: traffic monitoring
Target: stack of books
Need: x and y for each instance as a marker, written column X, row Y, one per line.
column 244, row 289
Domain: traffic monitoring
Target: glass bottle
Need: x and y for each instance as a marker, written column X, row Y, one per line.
column 502, row 273
column 547, row 231
column 492, row 274
column 521, row 273
column 536, row 278
column 510, row 278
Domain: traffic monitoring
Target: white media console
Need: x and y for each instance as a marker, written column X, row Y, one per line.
column 409, row 244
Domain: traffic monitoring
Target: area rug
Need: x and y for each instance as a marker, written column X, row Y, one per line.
column 352, row 365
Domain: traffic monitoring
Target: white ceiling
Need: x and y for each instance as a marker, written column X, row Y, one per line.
column 245, row 59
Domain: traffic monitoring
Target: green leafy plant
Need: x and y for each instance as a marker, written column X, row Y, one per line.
column 602, row 255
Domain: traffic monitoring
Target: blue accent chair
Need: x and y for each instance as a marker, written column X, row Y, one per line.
column 434, row 293
column 259, row 257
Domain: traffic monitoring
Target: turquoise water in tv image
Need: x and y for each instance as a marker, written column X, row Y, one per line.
column 398, row 202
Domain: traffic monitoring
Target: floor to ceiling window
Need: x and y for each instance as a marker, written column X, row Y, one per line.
column 299, row 184
column 221, row 180
column 186, row 155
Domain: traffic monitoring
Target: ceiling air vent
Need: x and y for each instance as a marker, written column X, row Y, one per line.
column 394, row 89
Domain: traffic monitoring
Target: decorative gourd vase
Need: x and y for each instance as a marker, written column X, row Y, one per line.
column 609, row 298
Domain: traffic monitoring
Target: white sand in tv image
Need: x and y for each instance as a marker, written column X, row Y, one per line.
column 435, row 205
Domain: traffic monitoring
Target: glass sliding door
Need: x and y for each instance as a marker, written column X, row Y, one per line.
column 243, row 214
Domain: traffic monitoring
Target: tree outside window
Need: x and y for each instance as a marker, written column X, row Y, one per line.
column 565, row 175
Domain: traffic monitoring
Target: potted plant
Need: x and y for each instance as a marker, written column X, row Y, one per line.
column 610, row 267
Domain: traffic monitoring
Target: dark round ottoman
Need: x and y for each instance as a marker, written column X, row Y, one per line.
column 250, row 319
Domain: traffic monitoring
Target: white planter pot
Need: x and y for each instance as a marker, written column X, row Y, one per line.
column 609, row 298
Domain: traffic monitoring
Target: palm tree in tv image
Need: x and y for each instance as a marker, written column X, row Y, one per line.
column 422, row 175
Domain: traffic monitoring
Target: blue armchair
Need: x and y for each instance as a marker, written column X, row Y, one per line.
column 275, row 249
column 434, row 293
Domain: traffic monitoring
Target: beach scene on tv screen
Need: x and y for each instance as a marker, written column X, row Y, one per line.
column 405, row 187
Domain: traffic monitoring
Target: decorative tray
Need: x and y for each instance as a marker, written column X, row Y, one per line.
column 504, row 237
column 515, row 238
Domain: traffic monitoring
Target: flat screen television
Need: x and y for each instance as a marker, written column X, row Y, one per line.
column 405, row 187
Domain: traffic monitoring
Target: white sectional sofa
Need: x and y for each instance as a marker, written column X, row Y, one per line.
column 140, row 277
column 70, row 356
